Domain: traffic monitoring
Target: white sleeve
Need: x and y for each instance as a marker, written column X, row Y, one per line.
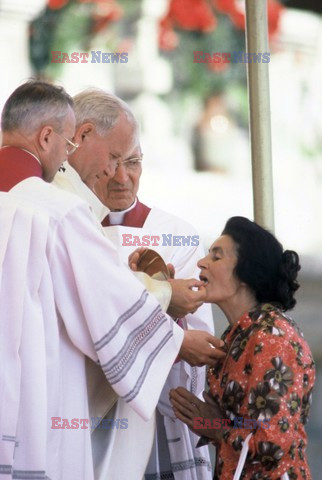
column 160, row 289
column 109, row 315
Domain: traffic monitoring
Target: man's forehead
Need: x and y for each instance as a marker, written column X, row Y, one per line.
column 124, row 145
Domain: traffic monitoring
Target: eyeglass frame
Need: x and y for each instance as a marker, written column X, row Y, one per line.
column 72, row 144
column 138, row 161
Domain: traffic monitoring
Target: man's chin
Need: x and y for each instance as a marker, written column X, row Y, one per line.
column 120, row 202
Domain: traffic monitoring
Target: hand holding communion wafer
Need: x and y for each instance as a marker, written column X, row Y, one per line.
column 187, row 295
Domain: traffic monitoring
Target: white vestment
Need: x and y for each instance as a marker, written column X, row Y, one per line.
column 173, row 438
column 61, row 299
column 135, row 443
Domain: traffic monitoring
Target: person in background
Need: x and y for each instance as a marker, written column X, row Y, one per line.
column 260, row 394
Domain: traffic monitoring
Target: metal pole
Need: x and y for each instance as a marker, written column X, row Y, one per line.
column 259, row 106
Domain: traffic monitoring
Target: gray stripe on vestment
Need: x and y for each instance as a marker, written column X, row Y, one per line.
column 122, row 319
column 5, row 469
column 29, row 475
column 159, row 476
column 8, row 438
column 191, row 463
column 118, row 367
column 135, row 391
column 187, row 465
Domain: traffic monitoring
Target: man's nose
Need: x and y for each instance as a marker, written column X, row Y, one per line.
column 121, row 175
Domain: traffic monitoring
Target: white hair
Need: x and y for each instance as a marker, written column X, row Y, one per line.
column 100, row 108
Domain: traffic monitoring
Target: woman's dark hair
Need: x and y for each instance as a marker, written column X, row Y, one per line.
column 262, row 264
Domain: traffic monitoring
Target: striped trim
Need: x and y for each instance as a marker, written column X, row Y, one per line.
column 135, row 391
column 118, row 367
column 194, row 376
column 176, row 467
column 159, row 476
column 8, row 438
column 29, row 475
column 191, row 463
column 122, row 319
column 5, row 469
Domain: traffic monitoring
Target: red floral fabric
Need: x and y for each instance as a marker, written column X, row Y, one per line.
column 267, row 376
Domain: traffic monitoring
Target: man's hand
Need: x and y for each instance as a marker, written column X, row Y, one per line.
column 201, row 348
column 184, row 300
column 134, row 258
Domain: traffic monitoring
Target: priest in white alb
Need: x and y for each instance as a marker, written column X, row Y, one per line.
column 106, row 125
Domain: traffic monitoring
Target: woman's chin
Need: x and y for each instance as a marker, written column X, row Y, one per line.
column 209, row 297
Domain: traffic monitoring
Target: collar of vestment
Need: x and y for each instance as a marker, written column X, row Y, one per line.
column 134, row 217
column 116, row 217
column 69, row 179
column 16, row 165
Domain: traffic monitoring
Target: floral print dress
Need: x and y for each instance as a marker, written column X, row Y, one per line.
column 267, row 376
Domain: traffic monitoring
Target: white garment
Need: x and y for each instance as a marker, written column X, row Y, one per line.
column 186, row 462
column 61, row 286
column 139, row 432
column 108, row 443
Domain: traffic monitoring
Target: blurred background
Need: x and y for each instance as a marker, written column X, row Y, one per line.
column 194, row 116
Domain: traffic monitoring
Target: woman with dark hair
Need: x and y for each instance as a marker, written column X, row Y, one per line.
column 260, row 393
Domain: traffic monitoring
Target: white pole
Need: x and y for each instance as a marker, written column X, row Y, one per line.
column 259, row 106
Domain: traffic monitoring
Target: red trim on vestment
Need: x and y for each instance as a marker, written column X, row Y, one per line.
column 16, row 165
column 134, row 218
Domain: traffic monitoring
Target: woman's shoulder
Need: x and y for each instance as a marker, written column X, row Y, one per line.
column 271, row 318
column 273, row 325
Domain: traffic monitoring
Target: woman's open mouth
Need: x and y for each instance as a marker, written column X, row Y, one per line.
column 204, row 279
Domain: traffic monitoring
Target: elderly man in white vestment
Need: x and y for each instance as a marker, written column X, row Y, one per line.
column 174, row 454
column 61, row 299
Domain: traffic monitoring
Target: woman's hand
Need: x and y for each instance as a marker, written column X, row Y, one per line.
column 203, row 418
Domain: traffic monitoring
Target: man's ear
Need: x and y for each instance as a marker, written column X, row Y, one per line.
column 83, row 131
column 45, row 137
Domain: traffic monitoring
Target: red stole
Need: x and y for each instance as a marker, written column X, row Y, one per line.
column 16, row 165
column 134, row 218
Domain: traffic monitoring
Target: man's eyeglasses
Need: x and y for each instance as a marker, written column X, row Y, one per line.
column 70, row 146
column 130, row 165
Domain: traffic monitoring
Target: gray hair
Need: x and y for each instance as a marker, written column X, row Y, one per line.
column 35, row 104
column 100, row 108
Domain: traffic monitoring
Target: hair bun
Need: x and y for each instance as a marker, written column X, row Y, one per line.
column 288, row 284
column 291, row 264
